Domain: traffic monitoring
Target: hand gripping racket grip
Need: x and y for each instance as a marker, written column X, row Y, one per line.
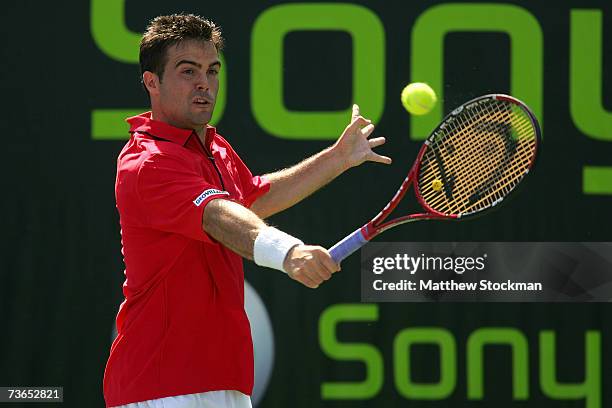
column 347, row 246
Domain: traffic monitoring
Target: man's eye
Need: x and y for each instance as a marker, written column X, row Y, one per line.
column 188, row 71
column 213, row 72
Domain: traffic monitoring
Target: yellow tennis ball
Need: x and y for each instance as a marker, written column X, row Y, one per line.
column 436, row 185
column 418, row 98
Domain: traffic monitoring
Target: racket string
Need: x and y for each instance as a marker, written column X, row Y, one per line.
column 450, row 150
column 496, row 191
column 489, row 158
column 475, row 149
column 480, row 155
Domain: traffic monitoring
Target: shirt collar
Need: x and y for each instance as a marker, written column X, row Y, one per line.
column 144, row 124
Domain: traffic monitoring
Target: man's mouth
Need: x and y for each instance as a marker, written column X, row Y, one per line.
column 201, row 101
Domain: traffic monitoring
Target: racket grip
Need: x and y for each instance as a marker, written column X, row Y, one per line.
column 347, row 246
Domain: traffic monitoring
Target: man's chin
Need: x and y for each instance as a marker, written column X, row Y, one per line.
column 201, row 119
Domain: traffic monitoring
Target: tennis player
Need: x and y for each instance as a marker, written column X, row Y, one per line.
column 189, row 210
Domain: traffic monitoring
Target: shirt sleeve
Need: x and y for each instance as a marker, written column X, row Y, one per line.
column 174, row 194
column 253, row 187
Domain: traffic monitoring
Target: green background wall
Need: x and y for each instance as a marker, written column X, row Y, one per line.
column 61, row 267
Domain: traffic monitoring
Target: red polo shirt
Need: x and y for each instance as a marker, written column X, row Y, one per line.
column 182, row 328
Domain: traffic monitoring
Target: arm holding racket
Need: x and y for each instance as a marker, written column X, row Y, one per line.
column 239, row 229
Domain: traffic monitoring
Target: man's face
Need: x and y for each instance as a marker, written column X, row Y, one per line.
column 185, row 96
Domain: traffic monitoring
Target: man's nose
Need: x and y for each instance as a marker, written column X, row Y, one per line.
column 202, row 83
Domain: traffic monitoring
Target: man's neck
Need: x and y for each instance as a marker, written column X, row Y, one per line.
column 202, row 135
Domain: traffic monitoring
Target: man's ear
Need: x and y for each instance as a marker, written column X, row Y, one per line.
column 151, row 82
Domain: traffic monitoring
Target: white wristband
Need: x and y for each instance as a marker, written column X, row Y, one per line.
column 271, row 248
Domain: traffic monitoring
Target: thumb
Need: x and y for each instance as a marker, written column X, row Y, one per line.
column 356, row 113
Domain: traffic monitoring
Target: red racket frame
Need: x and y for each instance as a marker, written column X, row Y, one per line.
column 360, row 237
column 376, row 226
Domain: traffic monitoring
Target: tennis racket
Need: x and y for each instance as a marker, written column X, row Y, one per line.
column 472, row 161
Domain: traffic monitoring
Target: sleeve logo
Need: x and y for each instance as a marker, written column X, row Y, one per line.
column 207, row 193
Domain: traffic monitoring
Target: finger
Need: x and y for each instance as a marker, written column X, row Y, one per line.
column 355, row 112
column 315, row 278
column 307, row 281
column 379, row 159
column 323, row 271
column 302, row 277
column 358, row 123
column 367, row 131
column 311, row 273
column 328, row 262
column 377, row 141
column 317, row 273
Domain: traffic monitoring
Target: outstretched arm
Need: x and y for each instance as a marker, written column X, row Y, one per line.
column 245, row 233
column 292, row 185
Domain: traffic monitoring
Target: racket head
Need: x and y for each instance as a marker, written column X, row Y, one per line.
column 476, row 156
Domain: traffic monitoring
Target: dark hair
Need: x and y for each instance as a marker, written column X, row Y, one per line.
column 165, row 31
